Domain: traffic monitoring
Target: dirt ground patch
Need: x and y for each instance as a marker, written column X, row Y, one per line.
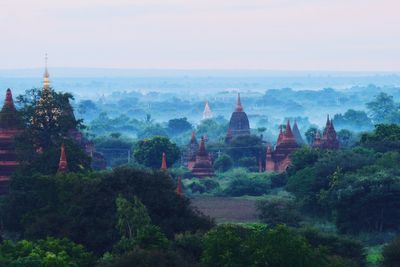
column 225, row 209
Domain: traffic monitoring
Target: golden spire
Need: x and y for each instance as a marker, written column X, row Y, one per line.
column 46, row 76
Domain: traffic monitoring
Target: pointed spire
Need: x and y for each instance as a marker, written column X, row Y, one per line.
column 193, row 139
column 179, row 189
column 202, row 148
column 207, row 113
column 9, row 99
column 297, row 134
column 328, row 122
column 288, row 131
column 164, row 162
column 46, row 76
column 239, row 107
column 63, row 164
column 280, row 137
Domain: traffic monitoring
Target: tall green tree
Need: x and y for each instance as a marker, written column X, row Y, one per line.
column 149, row 152
column 383, row 109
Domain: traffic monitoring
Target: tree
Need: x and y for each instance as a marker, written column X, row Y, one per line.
column 382, row 108
column 391, row 254
column 256, row 245
column 82, row 206
column 385, row 137
column 49, row 252
column 354, row 120
column 223, row 163
column 48, row 117
column 177, row 126
column 152, row 130
column 149, row 152
column 246, row 147
column 310, row 134
column 279, row 210
column 345, row 138
column 131, row 217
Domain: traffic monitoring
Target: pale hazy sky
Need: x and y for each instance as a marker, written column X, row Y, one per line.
column 361, row 35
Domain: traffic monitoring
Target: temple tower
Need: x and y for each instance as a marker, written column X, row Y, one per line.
column 207, row 113
column 164, row 162
column 10, row 127
column 239, row 123
column 203, row 166
column 279, row 159
column 179, row 189
column 189, row 156
column 329, row 137
column 46, row 76
column 63, row 164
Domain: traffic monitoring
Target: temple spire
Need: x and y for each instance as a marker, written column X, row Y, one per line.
column 207, row 113
column 239, row 107
column 288, row 131
column 193, row 138
column 46, row 76
column 179, row 189
column 63, row 164
column 9, row 102
column 280, row 137
column 164, row 162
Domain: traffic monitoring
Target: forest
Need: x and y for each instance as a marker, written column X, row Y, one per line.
column 330, row 208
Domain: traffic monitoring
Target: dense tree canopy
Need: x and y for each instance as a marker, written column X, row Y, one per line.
column 82, row 207
column 149, row 152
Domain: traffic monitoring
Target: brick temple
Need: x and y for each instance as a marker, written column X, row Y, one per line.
column 10, row 127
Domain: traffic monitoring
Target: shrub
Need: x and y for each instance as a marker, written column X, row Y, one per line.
column 223, row 163
column 391, row 254
column 279, row 210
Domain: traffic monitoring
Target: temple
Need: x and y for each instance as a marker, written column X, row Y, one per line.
column 203, row 165
column 278, row 160
column 329, row 137
column 46, row 76
column 297, row 134
column 179, row 189
column 189, row 155
column 63, row 164
column 207, row 113
column 164, row 162
column 239, row 123
column 10, row 127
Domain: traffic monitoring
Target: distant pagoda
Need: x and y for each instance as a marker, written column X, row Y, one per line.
column 164, row 162
column 329, row 138
column 207, row 113
column 239, row 123
column 10, row 127
column 278, row 160
column 63, row 164
column 189, row 155
column 203, row 165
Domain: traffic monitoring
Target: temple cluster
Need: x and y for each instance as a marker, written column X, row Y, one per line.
column 277, row 158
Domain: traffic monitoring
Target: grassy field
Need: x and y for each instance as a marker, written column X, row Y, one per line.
column 227, row 209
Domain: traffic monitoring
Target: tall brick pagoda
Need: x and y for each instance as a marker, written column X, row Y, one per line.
column 278, row 160
column 329, row 138
column 10, row 127
column 203, row 166
column 189, row 156
column 239, row 123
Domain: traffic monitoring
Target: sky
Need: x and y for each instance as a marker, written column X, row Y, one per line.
column 309, row 35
